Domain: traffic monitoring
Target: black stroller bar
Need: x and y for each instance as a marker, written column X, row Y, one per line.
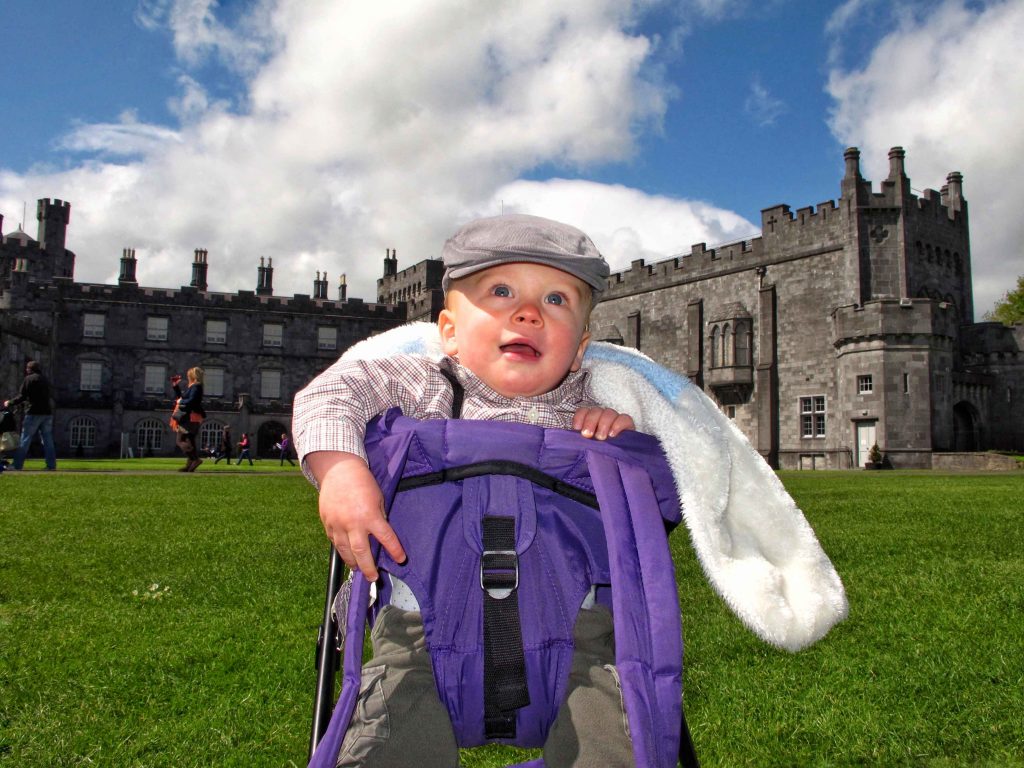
column 328, row 658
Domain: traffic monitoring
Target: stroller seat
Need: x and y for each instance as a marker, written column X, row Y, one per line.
column 501, row 519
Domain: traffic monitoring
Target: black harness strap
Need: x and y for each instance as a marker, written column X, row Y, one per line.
column 458, row 394
column 504, row 661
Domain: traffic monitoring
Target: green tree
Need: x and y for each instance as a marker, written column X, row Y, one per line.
column 1009, row 310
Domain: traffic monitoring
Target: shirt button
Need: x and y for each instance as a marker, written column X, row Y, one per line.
column 533, row 414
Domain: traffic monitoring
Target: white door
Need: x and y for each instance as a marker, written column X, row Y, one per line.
column 865, row 439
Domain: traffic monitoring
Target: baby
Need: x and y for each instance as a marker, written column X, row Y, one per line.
column 518, row 295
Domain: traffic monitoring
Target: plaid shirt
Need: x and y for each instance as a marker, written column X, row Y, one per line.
column 331, row 413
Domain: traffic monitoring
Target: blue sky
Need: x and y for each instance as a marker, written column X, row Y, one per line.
column 320, row 133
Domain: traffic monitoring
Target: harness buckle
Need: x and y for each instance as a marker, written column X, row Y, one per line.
column 499, row 572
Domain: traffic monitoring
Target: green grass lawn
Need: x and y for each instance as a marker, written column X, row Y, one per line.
column 168, row 620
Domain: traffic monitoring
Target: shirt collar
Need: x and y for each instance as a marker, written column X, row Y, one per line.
column 571, row 391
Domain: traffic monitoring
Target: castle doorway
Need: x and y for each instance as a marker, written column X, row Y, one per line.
column 966, row 427
column 866, row 438
column 268, row 435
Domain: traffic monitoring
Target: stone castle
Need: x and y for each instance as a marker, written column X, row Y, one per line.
column 842, row 326
column 110, row 350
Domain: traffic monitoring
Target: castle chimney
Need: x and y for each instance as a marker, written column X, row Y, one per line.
column 896, row 155
column 342, row 289
column 390, row 263
column 199, row 267
column 128, row 263
column 265, row 278
column 320, row 286
column 852, row 158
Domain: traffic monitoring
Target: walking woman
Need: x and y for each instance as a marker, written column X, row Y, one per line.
column 188, row 416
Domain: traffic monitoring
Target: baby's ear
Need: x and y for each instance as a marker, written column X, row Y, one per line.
column 446, row 327
column 577, row 362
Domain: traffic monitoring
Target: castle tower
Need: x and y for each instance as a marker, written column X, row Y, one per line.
column 53, row 220
column 199, row 267
column 390, row 263
column 53, row 224
column 128, row 264
column 265, row 278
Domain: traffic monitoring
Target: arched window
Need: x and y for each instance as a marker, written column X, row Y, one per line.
column 714, row 347
column 743, row 343
column 210, row 435
column 149, row 435
column 82, row 431
column 727, row 341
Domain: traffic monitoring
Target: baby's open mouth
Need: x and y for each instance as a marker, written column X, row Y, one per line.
column 520, row 349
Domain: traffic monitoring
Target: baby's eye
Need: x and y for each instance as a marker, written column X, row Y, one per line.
column 554, row 298
column 501, row 290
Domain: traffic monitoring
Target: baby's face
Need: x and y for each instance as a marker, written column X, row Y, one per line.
column 519, row 327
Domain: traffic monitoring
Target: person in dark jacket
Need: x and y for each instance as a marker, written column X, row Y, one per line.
column 189, row 413
column 226, row 447
column 35, row 390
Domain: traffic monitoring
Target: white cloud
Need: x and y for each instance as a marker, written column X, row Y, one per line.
column 945, row 84
column 197, row 33
column 764, row 108
column 126, row 138
column 624, row 223
column 366, row 126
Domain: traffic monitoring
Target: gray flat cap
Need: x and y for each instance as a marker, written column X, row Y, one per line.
column 517, row 237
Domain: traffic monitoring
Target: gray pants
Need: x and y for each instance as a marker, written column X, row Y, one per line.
column 400, row 721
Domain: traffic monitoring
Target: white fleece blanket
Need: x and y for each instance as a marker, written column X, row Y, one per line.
column 754, row 544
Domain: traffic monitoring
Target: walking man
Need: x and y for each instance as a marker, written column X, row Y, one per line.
column 35, row 390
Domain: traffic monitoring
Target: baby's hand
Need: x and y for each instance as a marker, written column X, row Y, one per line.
column 352, row 509
column 601, row 423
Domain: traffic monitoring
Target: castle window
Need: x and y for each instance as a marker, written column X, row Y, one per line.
column 730, row 411
column 273, row 333
column 90, row 376
column 270, row 384
column 906, row 383
column 93, row 325
column 213, row 382
column 210, row 434
column 730, row 346
column 216, row 331
column 82, row 432
column 149, row 435
column 326, row 337
column 155, row 375
column 865, row 385
column 742, row 344
column 156, row 328
column 812, row 416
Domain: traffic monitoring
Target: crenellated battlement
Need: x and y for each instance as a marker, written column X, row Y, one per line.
column 700, row 263
column 242, row 301
column 779, row 220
